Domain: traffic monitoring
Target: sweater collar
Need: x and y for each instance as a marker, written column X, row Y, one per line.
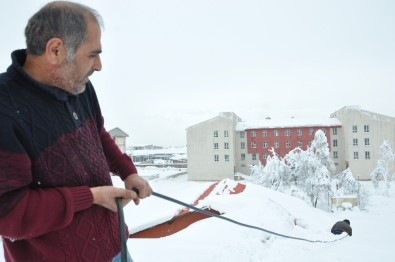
column 18, row 60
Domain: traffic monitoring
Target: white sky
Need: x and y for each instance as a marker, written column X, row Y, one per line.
column 168, row 65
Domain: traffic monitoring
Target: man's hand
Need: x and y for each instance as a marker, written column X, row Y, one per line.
column 105, row 196
column 139, row 184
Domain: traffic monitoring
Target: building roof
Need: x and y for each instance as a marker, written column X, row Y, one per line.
column 362, row 111
column 117, row 132
column 288, row 123
column 228, row 115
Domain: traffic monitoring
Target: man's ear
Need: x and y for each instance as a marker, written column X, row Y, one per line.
column 55, row 51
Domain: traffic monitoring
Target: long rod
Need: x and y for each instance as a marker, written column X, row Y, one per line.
column 122, row 230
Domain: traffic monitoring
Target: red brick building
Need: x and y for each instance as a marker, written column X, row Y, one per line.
column 260, row 141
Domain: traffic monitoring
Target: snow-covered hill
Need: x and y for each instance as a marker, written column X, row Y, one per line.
column 216, row 240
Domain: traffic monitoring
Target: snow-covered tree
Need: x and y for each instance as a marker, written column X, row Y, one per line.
column 381, row 177
column 317, row 184
column 296, row 161
column 318, row 168
column 345, row 184
column 256, row 175
column 272, row 175
column 321, row 148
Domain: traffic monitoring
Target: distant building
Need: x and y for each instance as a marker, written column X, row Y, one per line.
column 152, row 154
column 211, row 148
column 145, row 147
column 225, row 145
column 120, row 138
column 363, row 134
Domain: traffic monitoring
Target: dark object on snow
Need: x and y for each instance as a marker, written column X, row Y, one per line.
column 342, row 226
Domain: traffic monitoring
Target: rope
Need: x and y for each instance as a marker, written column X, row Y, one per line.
column 122, row 229
column 239, row 223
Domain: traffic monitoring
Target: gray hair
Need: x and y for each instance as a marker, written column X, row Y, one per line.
column 62, row 19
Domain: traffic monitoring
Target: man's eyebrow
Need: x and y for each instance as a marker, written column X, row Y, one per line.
column 96, row 52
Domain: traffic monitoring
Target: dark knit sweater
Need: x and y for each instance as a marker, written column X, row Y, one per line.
column 53, row 148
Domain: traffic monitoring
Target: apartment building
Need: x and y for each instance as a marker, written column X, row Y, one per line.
column 211, row 148
column 225, row 145
column 259, row 141
column 364, row 132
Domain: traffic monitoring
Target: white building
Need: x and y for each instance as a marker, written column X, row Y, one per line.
column 119, row 137
column 364, row 132
column 211, row 148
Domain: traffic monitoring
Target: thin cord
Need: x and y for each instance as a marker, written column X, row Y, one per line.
column 238, row 223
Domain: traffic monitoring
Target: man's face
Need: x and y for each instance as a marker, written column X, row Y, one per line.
column 74, row 75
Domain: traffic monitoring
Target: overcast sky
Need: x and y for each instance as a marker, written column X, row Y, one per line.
column 170, row 64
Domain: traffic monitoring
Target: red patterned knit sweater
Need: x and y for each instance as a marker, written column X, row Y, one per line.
column 53, row 148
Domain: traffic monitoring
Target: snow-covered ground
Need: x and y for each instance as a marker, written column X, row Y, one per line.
column 214, row 240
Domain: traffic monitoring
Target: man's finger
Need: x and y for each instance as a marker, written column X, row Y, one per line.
column 136, row 201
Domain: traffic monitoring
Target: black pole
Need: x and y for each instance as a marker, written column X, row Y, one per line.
column 122, row 230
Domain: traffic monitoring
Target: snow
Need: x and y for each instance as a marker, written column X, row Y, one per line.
column 288, row 122
column 169, row 150
column 214, row 240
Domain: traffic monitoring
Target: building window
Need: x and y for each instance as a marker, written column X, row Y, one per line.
column 299, row 144
column 226, row 133
column 287, row 132
column 354, row 129
column 299, row 132
column 243, row 157
column 334, row 142
column 253, row 156
column 334, row 131
column 265, row 156
column 264, row 133
column 253, row 133
column 367, row 142
column 288, row 144
column 215, row 145
column 276, row 132
column 323, row 130
column 265, row 145
column 216, row 158
column 367, row 155
column 226, row 158
column 242, row 145
column 356, row 156
column 253, row 145
column 366, row 128
column 276, row 144
column 355, row 142
column 335, row 155
column 242, row 134
column 216, row 133
column 226, row 145
column 311, row 131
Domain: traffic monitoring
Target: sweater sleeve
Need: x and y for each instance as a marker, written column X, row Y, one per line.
column 41, row 211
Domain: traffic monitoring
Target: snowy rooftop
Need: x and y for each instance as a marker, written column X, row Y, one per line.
column 289, row 122
column 216, row 240
column 170, row 150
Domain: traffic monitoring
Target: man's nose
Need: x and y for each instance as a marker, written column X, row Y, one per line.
column 97, row 66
